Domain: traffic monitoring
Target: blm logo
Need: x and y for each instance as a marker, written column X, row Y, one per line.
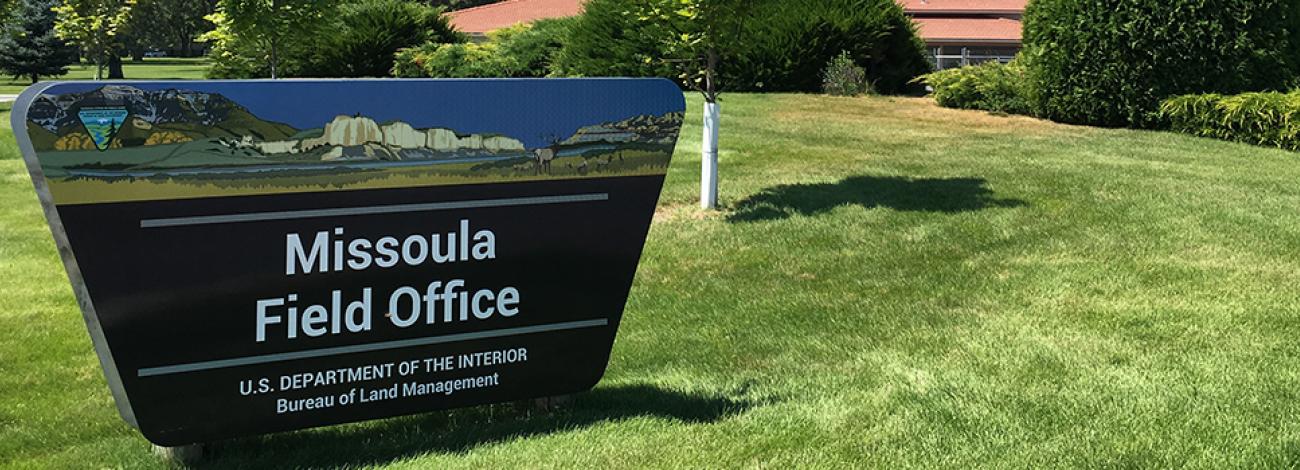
column 102, row 124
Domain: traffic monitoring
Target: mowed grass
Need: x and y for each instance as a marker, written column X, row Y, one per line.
column 888, row 284
column 151, row 68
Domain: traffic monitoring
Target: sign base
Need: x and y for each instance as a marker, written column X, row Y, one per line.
column 186, row 454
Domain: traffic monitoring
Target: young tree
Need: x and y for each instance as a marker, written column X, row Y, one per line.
column 270, row 24
column 697, row 36
column 29, row 47
column 94, row 26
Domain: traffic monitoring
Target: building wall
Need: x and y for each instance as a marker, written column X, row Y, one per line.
column 959, row 33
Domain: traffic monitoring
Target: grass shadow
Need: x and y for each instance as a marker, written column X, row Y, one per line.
column 903, row 194
column 457, row 431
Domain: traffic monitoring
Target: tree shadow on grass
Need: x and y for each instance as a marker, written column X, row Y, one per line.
column 458, row 431
column 903, row 194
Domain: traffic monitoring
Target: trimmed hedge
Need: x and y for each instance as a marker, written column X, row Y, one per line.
column 520, row 51
column 1111, row 62
column 784, row 51
column 1262, row 118
column 990, row 86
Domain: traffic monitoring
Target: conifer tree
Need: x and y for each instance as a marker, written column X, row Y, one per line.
column 29, row 46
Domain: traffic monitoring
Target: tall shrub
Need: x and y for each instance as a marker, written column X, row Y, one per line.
column 787, row 44
column 365, row 34
column 789, row 47
column 531, row 51
column 1111, row 62
column 605, row 41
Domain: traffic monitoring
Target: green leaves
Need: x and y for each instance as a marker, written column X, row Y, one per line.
column 990, row 86
column 1111, row 63
column 262, row 33
column 364, row 35
column 93, row 26
column 844, row 77
column 518, row 51
column 29, row 47
column 1269, row 118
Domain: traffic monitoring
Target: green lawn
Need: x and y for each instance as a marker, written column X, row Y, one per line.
column 890, row 284
column 151, row 68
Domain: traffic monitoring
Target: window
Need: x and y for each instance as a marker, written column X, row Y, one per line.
column 946, row 57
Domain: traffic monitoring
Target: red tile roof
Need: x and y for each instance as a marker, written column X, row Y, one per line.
column 993, row 30
column 493, row 16
column 1001, row 7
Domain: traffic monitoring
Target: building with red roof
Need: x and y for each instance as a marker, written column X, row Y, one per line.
column 477, row 21
column 964, row 32
column 956, row 32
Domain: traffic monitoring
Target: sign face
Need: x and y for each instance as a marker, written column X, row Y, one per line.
column 260, row 256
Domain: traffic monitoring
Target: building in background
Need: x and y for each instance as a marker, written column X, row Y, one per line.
column 966, row 32
column 477, row 21
column 956, row 32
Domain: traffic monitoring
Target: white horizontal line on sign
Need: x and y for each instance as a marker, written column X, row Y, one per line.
column 370, row 210
column 361, row 348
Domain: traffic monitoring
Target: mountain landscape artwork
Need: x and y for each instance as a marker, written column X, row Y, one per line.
column 224, row 237
column 121, row 142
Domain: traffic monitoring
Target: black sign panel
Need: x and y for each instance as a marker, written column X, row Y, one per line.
column 265, row 256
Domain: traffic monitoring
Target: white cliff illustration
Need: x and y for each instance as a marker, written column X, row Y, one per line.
column 361, row 138
column 186, row 143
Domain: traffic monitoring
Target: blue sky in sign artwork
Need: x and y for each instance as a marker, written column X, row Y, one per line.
column 530, row 110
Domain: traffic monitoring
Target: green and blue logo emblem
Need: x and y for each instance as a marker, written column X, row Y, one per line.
column 102, row 124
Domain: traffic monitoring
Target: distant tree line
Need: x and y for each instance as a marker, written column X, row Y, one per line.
column 171, row 26
column 29, row 47
column 40, row 38
column 319, row 38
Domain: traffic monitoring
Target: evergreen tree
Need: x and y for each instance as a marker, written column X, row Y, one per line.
column 28, row 45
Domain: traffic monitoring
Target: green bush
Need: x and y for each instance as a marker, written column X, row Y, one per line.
column 787, row 48
column 531, row 51
column 784, row 50
column 990, row 86
column 358, row 39
column 365, row 35
column 843, row 77
column 1110, row 63
column 1261, row 118
column 518, row 51
column 604, row 42
column 460, row 60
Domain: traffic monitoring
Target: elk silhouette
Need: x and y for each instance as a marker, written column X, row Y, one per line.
column 542, row 156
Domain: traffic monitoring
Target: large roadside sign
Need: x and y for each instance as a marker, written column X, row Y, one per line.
column 260, row 256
